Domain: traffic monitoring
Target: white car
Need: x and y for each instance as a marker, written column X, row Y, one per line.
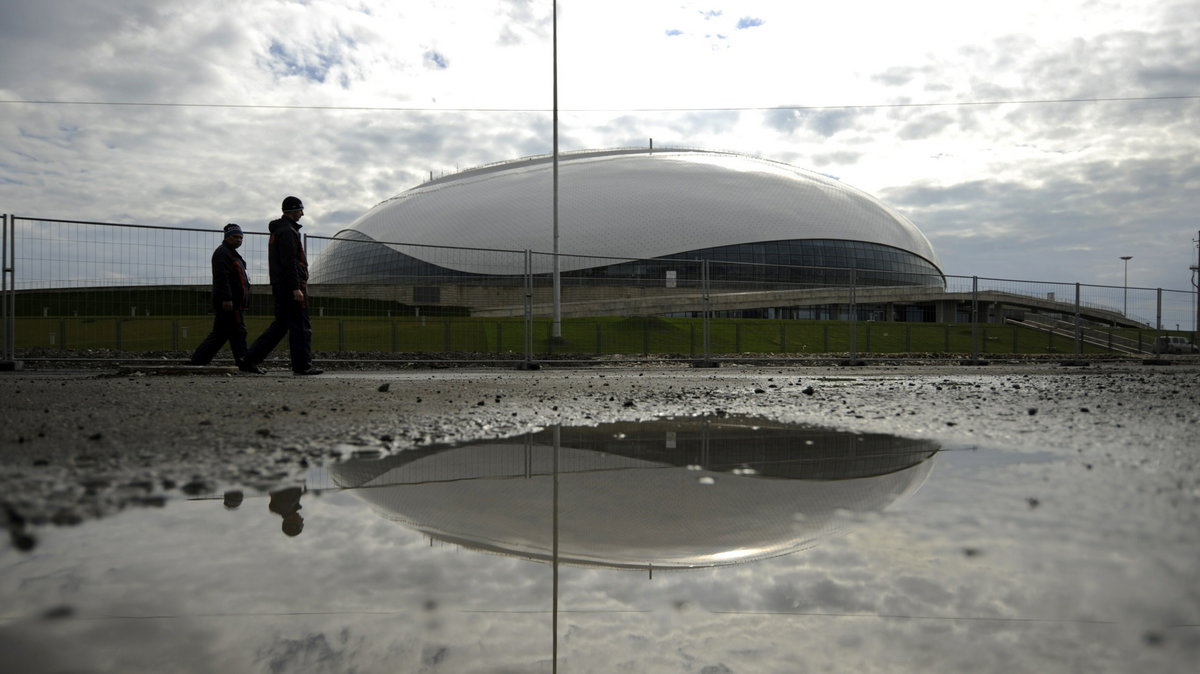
column 1173, row 345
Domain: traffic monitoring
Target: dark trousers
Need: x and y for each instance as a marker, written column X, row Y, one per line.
column 228, row 326
column 291, row 319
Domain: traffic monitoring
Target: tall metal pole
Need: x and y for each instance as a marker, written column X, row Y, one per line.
column 557, row 319
column 1125, row 310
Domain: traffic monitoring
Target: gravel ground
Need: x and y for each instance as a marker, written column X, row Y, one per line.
column 80, row 444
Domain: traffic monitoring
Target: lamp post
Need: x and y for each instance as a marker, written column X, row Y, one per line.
column 1195, row 269
column 1125, row 310
column 1196, row 272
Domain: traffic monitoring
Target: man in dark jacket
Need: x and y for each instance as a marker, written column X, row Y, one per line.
column 289, row 285
column 230, row 298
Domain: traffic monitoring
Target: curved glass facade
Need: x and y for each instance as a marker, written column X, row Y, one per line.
column 356, row 258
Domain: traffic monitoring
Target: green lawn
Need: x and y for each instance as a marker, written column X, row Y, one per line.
column 602, row 335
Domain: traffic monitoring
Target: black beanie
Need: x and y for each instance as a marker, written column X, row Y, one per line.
column 292, row 204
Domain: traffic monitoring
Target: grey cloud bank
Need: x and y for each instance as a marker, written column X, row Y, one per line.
column 436, row 95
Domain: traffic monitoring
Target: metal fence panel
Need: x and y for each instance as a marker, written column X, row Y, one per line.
column 74, row 285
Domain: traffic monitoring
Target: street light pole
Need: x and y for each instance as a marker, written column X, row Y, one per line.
column 1196, row 272
column 556, row 321
column 1125, row 310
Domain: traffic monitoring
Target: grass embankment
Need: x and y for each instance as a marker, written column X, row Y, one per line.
column 599, row 336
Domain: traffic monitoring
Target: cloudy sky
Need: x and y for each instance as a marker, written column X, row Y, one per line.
column 1031, row 139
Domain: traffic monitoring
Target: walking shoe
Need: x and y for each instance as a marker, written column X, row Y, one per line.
column 310, row 370
column 252, row 369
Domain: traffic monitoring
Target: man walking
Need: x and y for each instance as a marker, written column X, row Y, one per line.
column 230, row 299
column 289, row 285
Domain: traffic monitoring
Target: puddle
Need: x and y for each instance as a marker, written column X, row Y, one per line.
column 694, row 545
column 659, row 494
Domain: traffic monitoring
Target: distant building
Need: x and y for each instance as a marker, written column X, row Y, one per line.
column 630, row 218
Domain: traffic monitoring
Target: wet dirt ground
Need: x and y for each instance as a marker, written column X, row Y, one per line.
column 75, row 444
column 1103, row 456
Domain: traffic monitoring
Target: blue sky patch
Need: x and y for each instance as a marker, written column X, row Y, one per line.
column 748, row 22
column 436, row 59
column 286, row 63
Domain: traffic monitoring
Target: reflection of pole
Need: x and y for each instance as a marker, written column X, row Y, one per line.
column 554, row 463
column 1125, row 309
column 557, row 320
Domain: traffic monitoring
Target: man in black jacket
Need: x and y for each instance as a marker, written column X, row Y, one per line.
column 289, row 285
column 230, row 298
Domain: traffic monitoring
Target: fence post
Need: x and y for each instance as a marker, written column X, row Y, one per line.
column 1078, row 325
column 1158, row 319
column 853, row 315
column 528, row 306
column 7, row 295
column 707, row 313
column 974, row 318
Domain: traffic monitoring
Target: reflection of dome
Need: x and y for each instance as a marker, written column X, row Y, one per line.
column 662, row 494
column 687, row 204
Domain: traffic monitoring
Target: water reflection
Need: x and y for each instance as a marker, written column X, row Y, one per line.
column 677, row 493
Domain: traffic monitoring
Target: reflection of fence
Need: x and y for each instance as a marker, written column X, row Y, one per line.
column 71, row 286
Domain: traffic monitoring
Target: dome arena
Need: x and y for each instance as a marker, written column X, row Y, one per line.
column 629, row 215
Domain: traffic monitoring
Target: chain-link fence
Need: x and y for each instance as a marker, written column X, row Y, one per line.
column 76, row 289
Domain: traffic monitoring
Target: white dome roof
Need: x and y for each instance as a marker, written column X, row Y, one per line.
column 635, row 204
